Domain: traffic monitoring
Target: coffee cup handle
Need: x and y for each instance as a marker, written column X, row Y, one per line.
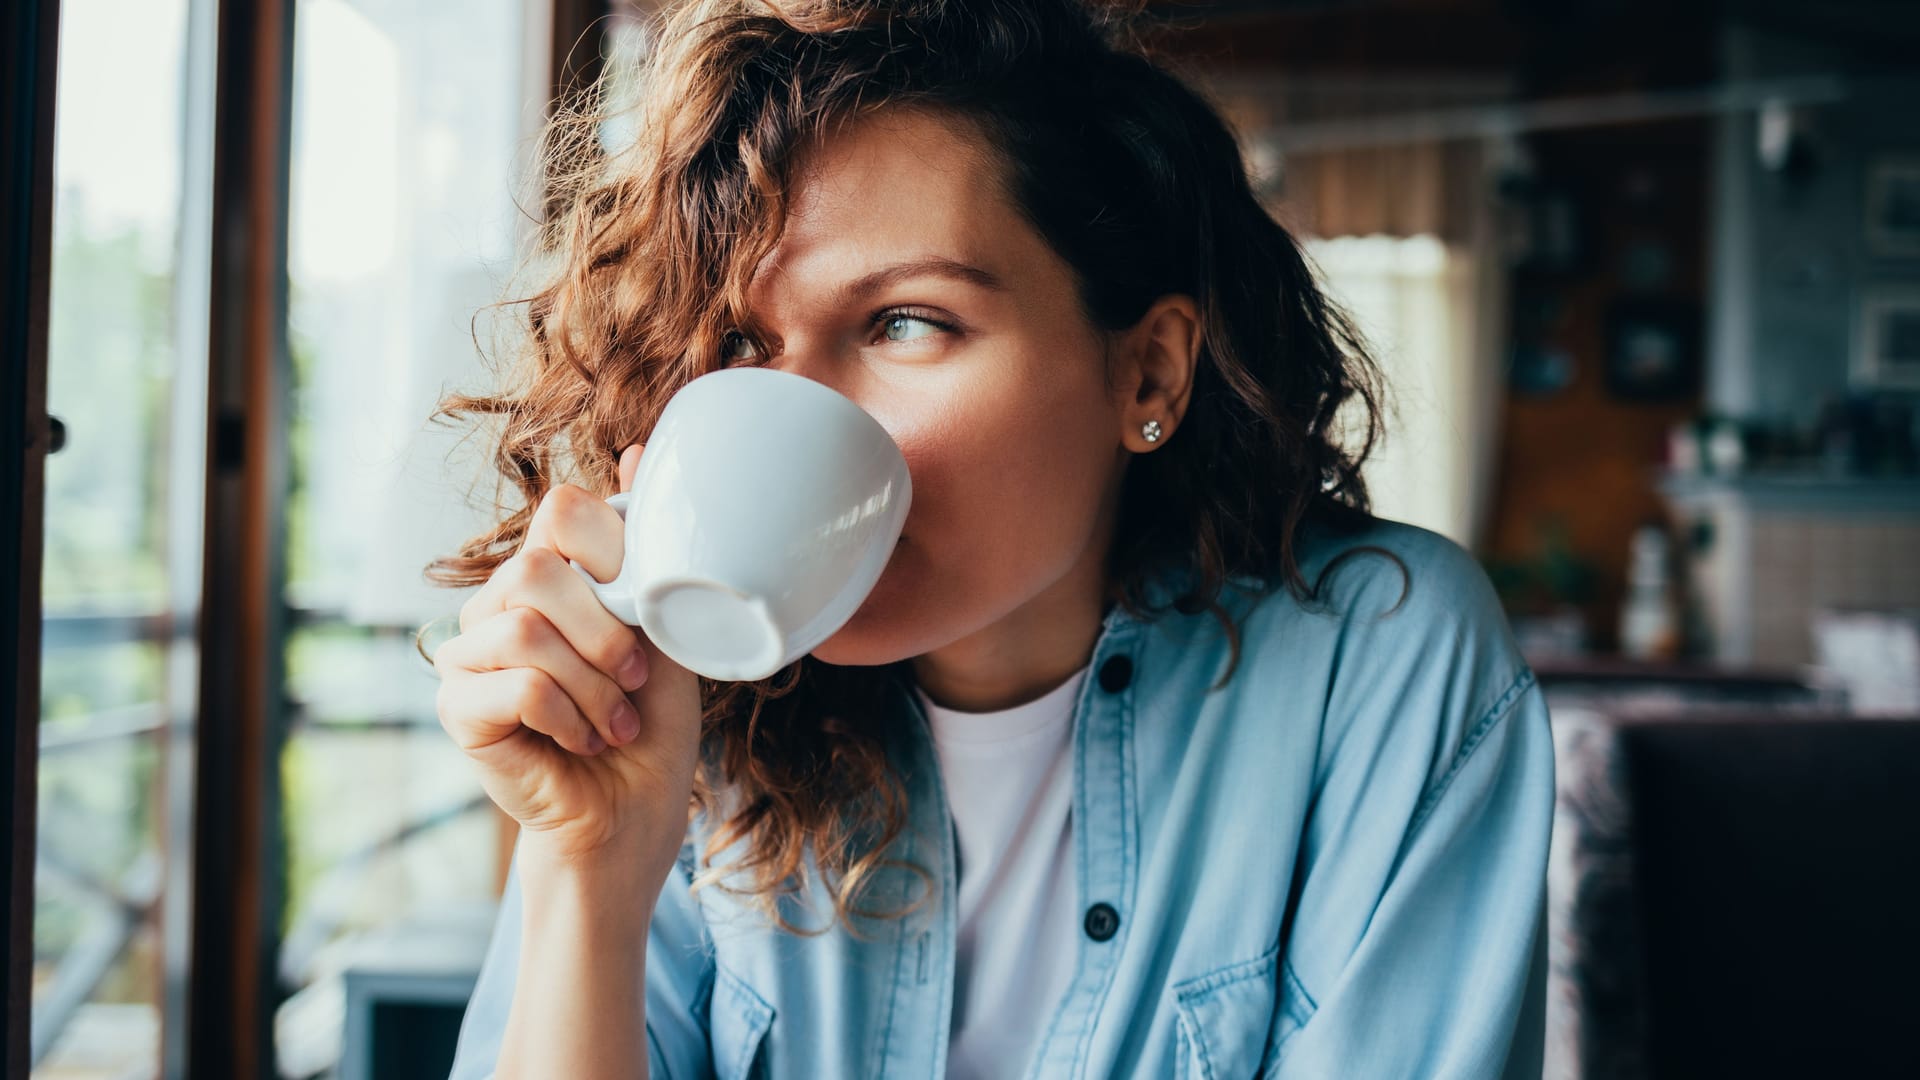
column 616, row 595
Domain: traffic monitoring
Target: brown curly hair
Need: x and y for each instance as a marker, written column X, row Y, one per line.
column 1125, row 171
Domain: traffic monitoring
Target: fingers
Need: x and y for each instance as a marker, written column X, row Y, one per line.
column 570, row 523
column 491, row 706
column 523, row 637
column 580, row 526
column 536, row 614
column 540, row 578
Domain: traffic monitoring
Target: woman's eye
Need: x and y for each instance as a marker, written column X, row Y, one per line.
column 735, row 346
column 899, row 327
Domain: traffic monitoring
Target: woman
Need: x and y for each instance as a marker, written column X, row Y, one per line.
column 1151, row 754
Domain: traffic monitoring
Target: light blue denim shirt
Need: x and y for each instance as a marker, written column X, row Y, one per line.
column 1332, row 867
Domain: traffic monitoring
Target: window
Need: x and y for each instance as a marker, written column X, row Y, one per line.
column 412, row 124
column 411, row 132
column 127, row 349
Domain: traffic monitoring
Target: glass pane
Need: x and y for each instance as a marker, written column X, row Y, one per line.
column 411, row 125
column 126, row 375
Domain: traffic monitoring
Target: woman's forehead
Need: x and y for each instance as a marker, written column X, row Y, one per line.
column 916, row 148
column 894, row 187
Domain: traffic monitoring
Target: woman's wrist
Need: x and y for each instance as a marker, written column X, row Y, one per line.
column 609, row 890
column 579, row 1009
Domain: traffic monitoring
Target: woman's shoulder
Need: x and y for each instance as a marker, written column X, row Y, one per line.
column 1388, row 579
column 1387, row 565
column 1390, row 585
column 1403, row 630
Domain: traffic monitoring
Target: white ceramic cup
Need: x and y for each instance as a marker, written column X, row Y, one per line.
column 764, row 510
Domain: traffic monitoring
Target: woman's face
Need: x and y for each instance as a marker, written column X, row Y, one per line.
column 906, row 280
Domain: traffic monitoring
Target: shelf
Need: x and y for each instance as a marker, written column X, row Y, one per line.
column 1808, row 492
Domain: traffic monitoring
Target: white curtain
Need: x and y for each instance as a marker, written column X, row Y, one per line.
column 1404, row 235
column 1432, row 314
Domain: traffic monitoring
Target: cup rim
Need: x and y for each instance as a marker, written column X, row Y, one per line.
column 811, row 386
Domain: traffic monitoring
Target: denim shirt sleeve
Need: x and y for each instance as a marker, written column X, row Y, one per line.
column 679, row 979
column 1419, row 944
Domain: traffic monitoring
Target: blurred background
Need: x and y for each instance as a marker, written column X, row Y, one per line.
column 1644, row 278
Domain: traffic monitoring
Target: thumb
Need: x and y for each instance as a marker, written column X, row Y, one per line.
column 629, row 464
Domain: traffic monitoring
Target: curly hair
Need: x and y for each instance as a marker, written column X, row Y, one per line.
column 1127, row 172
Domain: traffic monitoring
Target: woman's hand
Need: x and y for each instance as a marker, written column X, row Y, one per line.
column 584, row 733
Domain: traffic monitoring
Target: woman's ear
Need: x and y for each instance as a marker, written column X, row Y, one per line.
column 1156, row 379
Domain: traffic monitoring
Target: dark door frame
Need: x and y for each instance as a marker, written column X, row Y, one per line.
column 237, row 852
column 29, row 39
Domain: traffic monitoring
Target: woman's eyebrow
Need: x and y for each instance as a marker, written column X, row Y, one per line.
column 937, row 266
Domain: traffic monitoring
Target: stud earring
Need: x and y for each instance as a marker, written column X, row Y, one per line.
column 1150, row 431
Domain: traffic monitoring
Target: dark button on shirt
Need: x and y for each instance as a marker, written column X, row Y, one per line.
column 1115, row 674
column 1102, row 921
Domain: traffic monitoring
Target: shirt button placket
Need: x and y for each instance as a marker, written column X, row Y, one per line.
column 1107, row 857
column 1102, row 921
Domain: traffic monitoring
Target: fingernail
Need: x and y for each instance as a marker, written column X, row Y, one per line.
column 633, row 673
column 625, row 723
column 595, row 743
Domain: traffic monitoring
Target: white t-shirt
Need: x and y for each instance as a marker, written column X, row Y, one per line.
column 1009, row 780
